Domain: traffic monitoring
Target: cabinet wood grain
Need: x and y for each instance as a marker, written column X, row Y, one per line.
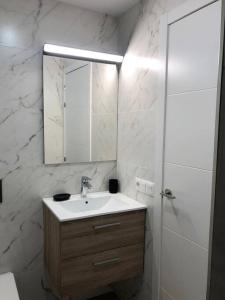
column 101, row 269
column 52, row 256
column 93, row 252
column 102, row 233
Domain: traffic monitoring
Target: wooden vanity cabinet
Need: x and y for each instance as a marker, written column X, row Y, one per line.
column 93, row 252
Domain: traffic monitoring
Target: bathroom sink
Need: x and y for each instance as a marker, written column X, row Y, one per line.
column 91, row 204
column 95, row 204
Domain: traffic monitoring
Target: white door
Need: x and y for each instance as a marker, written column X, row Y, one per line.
column 190, row 137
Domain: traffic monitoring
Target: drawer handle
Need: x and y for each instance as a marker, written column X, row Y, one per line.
column 107, row 262
column 99, row 227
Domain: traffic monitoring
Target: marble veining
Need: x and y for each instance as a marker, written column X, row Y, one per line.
column 31, row 25
column 104, row 111
column 24, row 27
column 138, row 95
column 53, row 80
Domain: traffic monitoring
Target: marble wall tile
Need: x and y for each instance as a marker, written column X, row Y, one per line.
column 20, row 107
column 24, row 27
column 136, row 138
column 53, row 78
column 127, row 23
column 23, row 30
column 104, row 111
column 36, row 22
column 104, row 137
column 138, row 96
column 127, row 173
column 104, row 88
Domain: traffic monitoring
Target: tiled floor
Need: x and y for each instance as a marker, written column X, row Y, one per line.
column 109, row 296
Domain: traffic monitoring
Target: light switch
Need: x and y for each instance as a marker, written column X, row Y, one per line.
column 145, row 186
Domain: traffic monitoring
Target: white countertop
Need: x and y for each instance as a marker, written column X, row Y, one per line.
column 96, row 204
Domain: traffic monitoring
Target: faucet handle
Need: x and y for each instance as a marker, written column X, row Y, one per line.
column 85, row 179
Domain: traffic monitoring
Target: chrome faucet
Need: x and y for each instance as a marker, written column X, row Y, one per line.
column 85, row 186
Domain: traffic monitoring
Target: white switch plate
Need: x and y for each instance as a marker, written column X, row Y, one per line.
column 150, row 188
column 140, row 185
column 145, row 186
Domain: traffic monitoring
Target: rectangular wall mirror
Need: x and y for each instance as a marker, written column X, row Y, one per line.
column 80, row 110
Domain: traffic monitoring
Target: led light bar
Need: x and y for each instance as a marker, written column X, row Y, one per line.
column 79, row 53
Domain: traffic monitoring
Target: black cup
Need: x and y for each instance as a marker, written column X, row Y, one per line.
column 113, row 186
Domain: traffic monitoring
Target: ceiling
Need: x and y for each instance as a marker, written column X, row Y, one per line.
column 111, row 7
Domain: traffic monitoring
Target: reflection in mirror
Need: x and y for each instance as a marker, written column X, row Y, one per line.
column 80, row 110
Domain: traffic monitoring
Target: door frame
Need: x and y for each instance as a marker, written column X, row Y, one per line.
column 166, row 20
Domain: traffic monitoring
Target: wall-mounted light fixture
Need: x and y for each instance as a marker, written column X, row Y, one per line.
column 82, row 54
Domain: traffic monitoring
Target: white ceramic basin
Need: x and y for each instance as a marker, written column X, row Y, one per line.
column 95, row 204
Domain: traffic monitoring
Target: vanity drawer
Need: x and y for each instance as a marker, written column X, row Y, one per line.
column 102, row 233
column 101, row 269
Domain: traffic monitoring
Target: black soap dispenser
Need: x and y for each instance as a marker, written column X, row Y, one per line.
column 113, row 186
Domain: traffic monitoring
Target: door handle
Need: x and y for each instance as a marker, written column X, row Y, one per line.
column 168, row 194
